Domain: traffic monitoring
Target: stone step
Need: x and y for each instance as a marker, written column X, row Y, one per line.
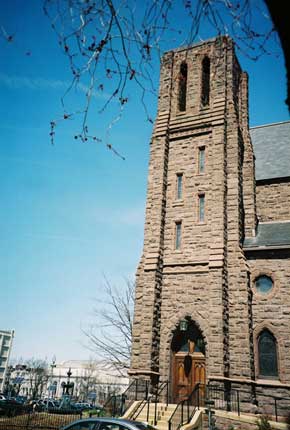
column 164, row 413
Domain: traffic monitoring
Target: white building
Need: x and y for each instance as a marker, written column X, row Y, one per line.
column 6, row 338
column 88, row 380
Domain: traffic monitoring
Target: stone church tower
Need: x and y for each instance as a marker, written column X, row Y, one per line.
column 194, row 288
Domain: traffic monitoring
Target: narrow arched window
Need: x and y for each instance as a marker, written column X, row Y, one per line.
column 267, row 350
column 205, row 81
column 182, row 87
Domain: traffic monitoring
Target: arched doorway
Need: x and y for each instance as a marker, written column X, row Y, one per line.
column 188, row 360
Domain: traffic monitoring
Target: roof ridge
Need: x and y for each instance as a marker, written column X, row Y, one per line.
column 271, row 124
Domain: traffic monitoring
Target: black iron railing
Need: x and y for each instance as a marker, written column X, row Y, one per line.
column 273, row 406
column 117, row 404
column 162, row 390
column 31, row 420
column 185, row 409
column 160, row 393
column 235, row 400
column 225, row 399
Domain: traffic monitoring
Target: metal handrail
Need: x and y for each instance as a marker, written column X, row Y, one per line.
column 181, row 404
column 152, row 399
column 157, row 395
column 139, row 409
column 121, row 398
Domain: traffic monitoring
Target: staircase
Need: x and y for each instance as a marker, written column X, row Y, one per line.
column 163, row 414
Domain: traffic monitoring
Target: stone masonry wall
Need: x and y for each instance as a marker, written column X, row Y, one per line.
column 272, row 310
column 273, row 201
column 194, row 280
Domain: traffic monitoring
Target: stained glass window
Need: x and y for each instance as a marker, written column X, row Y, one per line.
column 263, row 284
column 182, row 87
column 268, row 366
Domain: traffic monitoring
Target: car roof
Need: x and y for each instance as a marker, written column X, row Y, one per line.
column 113, row 420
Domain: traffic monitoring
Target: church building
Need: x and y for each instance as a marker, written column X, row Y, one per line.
column 213, row 283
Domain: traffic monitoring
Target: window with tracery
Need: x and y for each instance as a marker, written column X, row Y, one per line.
column 267, row 351
column 182, row 87
column 205, row 81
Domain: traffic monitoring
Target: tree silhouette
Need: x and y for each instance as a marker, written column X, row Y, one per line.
column 111, row 44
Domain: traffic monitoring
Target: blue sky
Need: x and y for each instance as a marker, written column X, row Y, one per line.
column 72, row 212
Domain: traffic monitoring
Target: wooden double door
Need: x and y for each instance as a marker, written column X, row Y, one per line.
column 188, row 369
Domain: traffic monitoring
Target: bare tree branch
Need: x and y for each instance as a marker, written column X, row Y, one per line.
column 111, row 44
column 110, row 337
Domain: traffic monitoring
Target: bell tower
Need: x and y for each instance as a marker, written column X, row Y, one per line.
column 200, row 206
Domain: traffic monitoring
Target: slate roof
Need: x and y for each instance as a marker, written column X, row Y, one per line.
column 271, row 145
column 270, row 234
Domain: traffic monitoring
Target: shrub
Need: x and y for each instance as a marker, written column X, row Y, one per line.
column 263, row 423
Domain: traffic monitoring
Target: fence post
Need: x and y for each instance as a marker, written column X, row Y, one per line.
column 182, row 412
column 238, row 400
column 155, row 409
column 276, row 412
column 28, row 419
column 136, row 388
column 167, row 392
column 148, row 407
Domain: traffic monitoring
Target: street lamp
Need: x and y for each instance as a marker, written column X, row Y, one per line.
column 69, row 373
column 52, row 386
column 183, row 325
column 67, row 386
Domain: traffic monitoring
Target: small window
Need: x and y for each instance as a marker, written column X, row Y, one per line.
column 263, row 284
column 205, row 81
column 179, row 178
column 201, row 159
column 201, row 207
column 267, row 350
column 182, row 87
column 178, row 235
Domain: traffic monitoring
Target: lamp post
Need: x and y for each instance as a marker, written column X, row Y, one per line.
column 52, row 386
column 68, row 385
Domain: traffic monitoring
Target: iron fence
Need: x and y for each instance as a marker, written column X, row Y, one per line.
column 32, row 420
column 228, row 400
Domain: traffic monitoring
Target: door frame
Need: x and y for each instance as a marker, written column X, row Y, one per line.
column 197, row 357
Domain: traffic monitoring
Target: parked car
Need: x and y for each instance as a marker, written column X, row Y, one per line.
column 41, row 405
column 107, row 424
column 2, row 397
column 82, row 406
column 21, row 399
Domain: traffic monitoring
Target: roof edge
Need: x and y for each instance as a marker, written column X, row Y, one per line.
column 270, row 125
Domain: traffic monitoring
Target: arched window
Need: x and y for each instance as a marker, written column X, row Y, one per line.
column 188, row 339
column 267, row 351
column 182, row 87
column 205, row 81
